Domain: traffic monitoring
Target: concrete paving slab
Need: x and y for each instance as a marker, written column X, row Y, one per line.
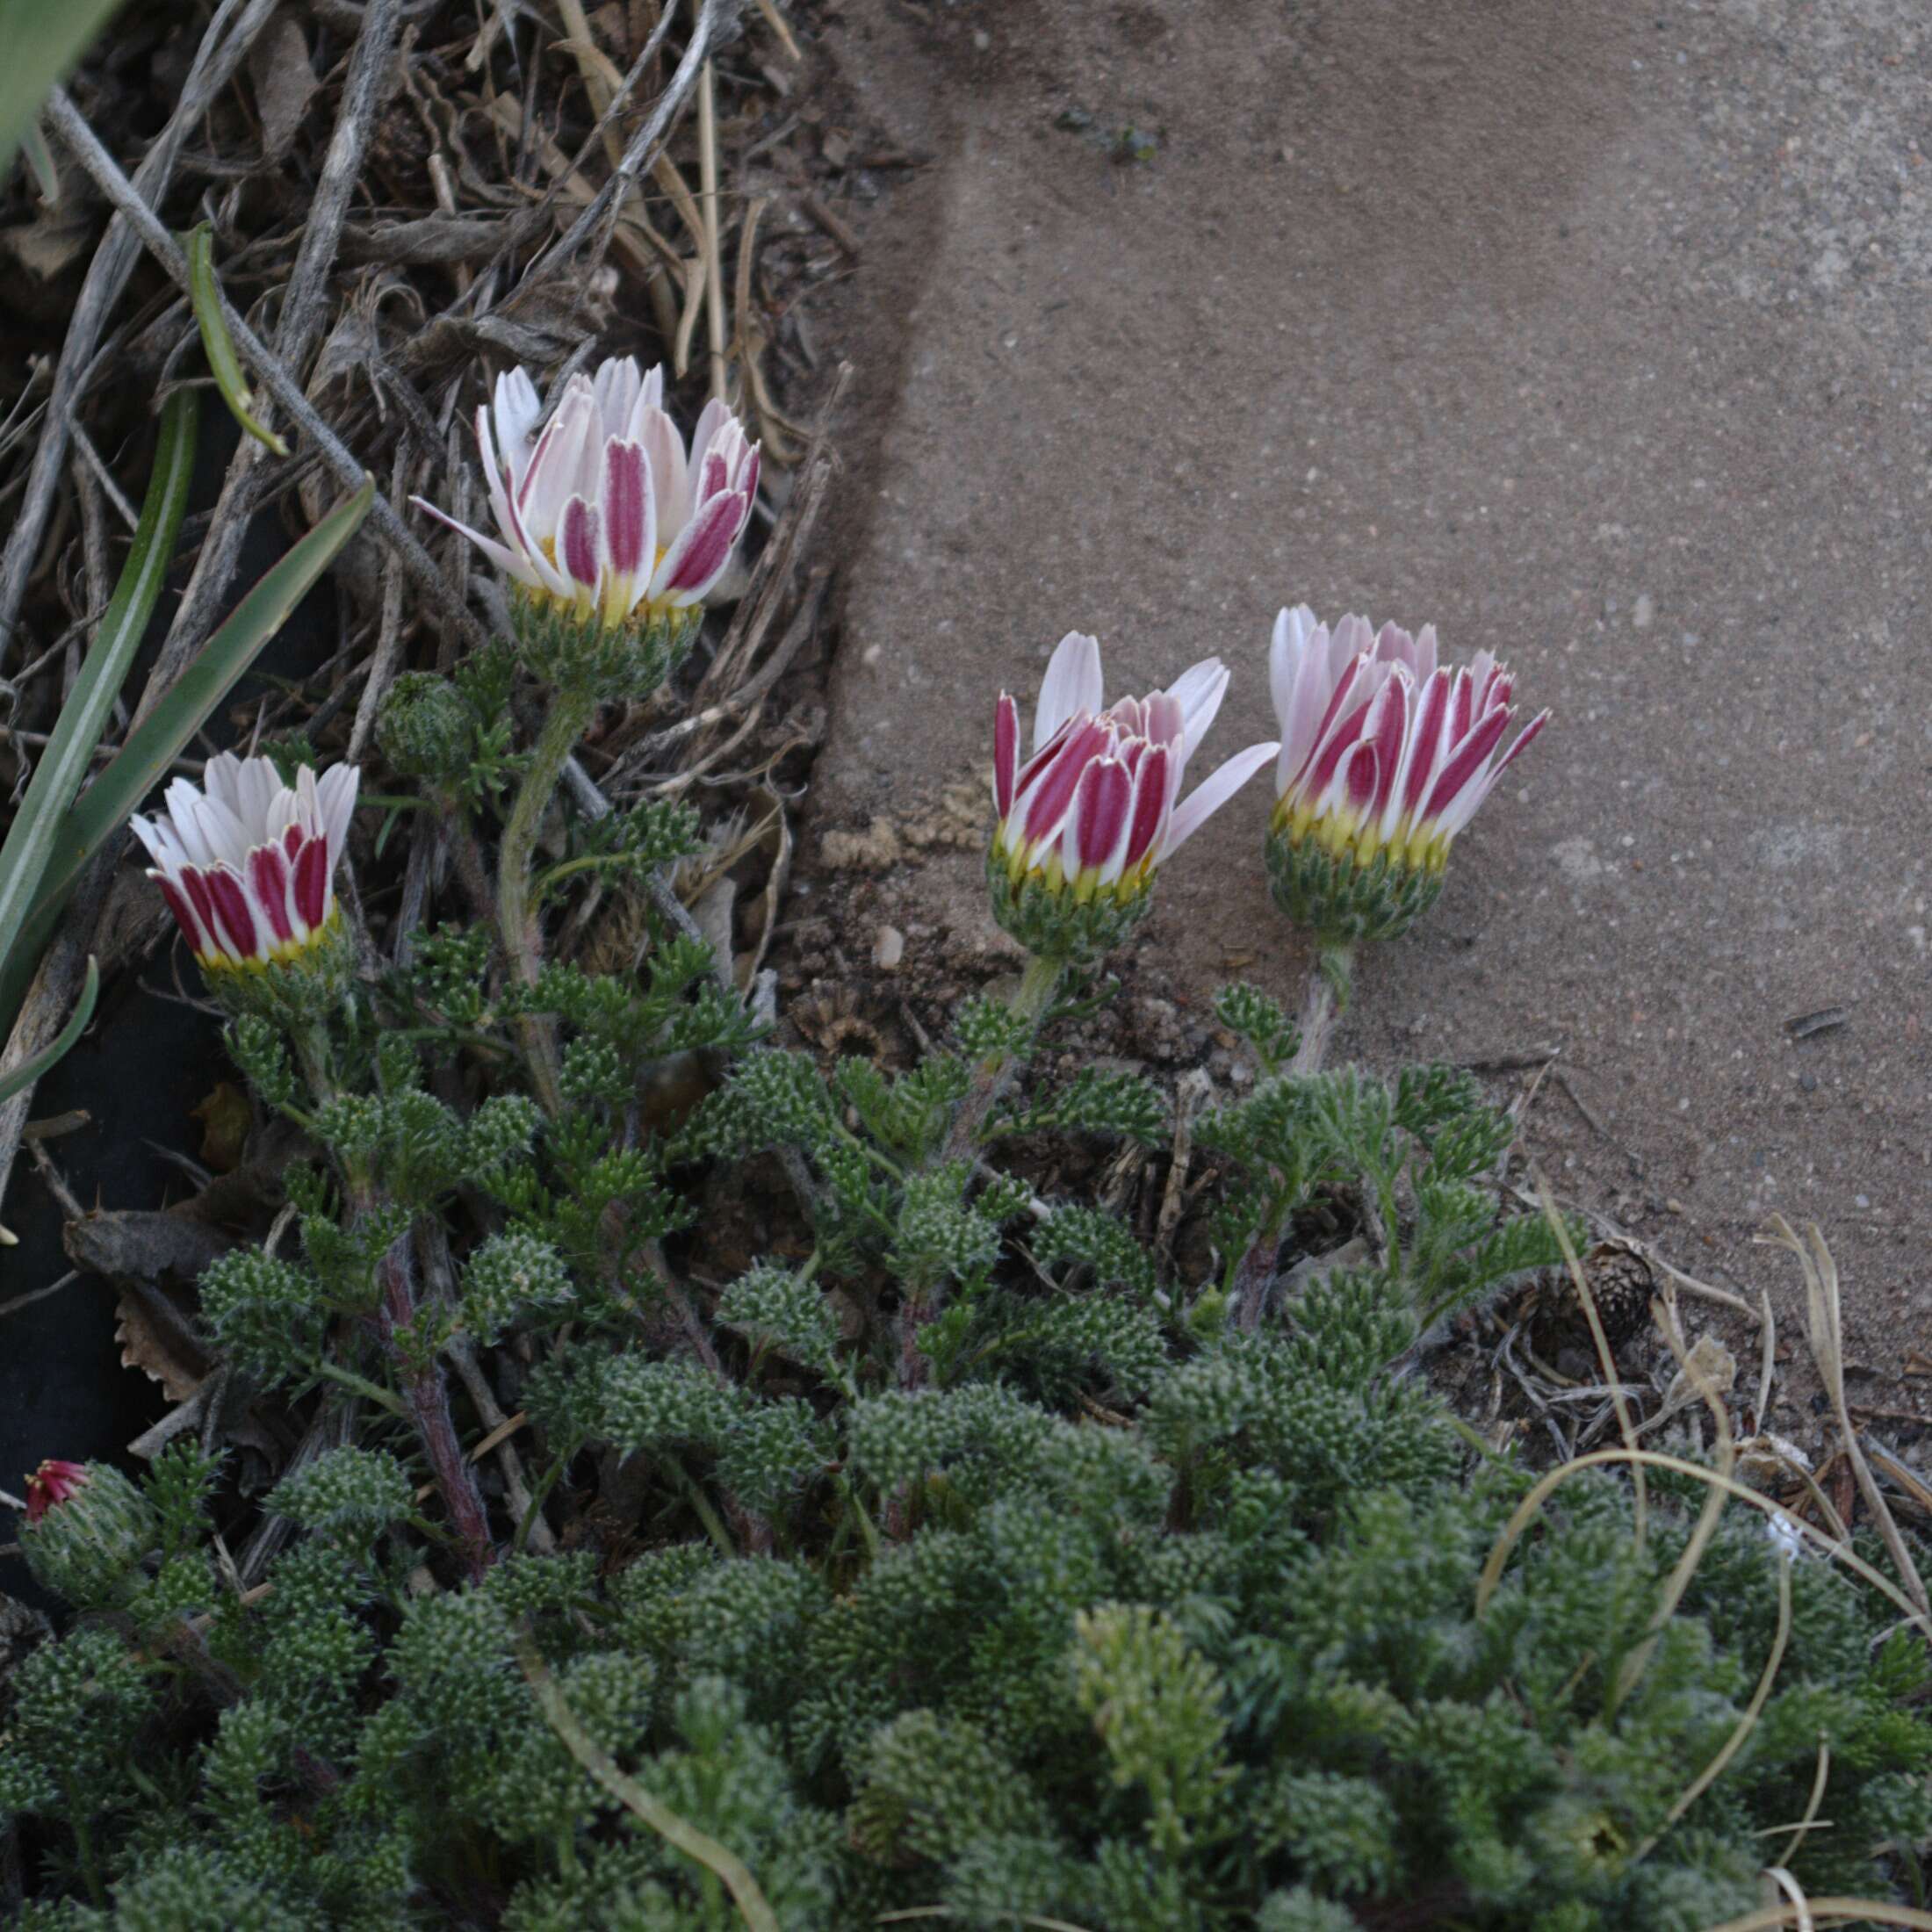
column 1596, row 334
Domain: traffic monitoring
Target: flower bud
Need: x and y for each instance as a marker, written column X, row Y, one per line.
column 87, row 1531
column 424, row 729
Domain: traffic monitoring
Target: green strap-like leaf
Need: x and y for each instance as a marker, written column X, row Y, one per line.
column 30, row 1070
column 77, row 731
column 102, row 809
column 42, row 41
column 155, row 743
column 40, row 160
column 205, row 296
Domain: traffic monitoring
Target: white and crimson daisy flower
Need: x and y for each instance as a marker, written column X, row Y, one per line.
column 606, row 514
column 1384, row 753
column 246, row 863
column 1097, row 807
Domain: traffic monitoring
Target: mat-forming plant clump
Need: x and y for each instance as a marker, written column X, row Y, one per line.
column 964, row 1559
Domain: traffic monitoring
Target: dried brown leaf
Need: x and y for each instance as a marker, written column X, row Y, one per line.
column 151, row 1326
column 1709, row 1370
column 226, row 1118
column 54, row 241
column 138, row 1244
column 285, row 84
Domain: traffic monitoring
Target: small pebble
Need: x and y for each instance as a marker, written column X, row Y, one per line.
column 889, row 948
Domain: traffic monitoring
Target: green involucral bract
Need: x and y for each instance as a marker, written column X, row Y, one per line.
column 299, row 994
column 1338, row 900
column 573, row 652
column 1053, row 922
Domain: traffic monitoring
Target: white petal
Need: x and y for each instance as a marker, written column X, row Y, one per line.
column 1212, row 794
column 527, row 563
column 222, row 778
column 223, row 834
column 1467, row 802
column 1483, row 673
column 1072, row 683
column 336, row 790
column 681, row 544
column 511, row 563
column 1395, row 646
column 286, row 811
column 710, row 423
column 308, row 802
column 256, row 790
column 664, row 448
column 1412, row 701
column 258, row 911
column 560, row 459
column 729, row 443
column 1354, row 635
column 1455, row 816
column 616, row 384
column 1425, row 653
column 162, row 847
column 1315, row 676
column 501, row 482
column 184, row 801
column 1198, row 690
column 1285, row 649
column 517, row 409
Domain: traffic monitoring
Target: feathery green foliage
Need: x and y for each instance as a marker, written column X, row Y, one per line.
column 959, row 1552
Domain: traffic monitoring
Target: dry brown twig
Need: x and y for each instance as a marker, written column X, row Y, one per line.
column 712, row 19
column 314, row 302
column 714, row 267
column 1824, row 1330
column 388, row 654
column 81, row 140
column 609, row 96
column 214, row 66
column 304, row 308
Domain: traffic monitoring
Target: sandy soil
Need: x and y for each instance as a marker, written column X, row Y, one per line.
column 1593, row 334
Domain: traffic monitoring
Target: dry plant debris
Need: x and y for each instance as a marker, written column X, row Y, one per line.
column 390, row 192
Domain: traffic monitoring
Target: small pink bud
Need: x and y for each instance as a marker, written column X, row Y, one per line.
column 51, row 1484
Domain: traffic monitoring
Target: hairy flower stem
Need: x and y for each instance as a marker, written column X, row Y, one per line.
column 316, row 1058
column 570, row 714
column 1322, row 1002
column 427, row 1397
column 991, row 1079
column 466, row 855
column 425, row 1394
